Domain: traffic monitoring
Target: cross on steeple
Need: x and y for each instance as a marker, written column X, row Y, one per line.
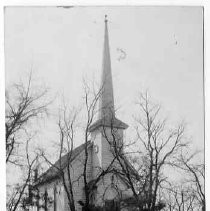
column 106, row 20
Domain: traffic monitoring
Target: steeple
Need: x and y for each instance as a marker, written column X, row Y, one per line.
column 106, row 101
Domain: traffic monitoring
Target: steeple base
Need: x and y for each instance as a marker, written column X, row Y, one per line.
column 111, row 123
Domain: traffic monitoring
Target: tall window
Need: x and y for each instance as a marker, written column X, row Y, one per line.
column 45, row 200
column 37, row 200
column 55, row 198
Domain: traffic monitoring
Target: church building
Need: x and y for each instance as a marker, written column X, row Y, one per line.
column 109, row 187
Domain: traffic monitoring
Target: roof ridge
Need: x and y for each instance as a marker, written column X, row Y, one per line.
column 52, row 171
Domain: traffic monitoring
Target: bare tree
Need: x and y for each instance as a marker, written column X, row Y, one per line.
column 67, row 126
column 23, row 104
column 188, row 193
column 160, row 146
column 156, row 148
column 67, row 129
column 19, row 192
column 195, row 176
column 181, row 197
column 91, row 98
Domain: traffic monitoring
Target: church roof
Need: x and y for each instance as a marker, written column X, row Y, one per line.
column 53, row 172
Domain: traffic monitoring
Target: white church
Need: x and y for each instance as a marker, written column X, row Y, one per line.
column 110, row 187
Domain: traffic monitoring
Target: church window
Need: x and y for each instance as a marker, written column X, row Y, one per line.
column 55, row 198
column 45, row 200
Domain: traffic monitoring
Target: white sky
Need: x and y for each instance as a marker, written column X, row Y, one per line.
column 163, row 46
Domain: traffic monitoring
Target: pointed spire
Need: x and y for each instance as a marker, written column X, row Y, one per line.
column 106, row 102
column 107, row 96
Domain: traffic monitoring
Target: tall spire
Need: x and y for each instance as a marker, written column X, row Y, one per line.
column 106, row 104
column 106, row 101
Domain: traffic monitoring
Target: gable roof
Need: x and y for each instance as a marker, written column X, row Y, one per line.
column 53, row 172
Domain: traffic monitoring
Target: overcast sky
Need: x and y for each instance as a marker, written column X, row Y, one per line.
column 163, row 45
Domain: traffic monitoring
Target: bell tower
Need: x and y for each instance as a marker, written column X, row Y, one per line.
column 107, row 130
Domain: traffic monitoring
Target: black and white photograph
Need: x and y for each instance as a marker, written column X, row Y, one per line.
column 104, row 108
